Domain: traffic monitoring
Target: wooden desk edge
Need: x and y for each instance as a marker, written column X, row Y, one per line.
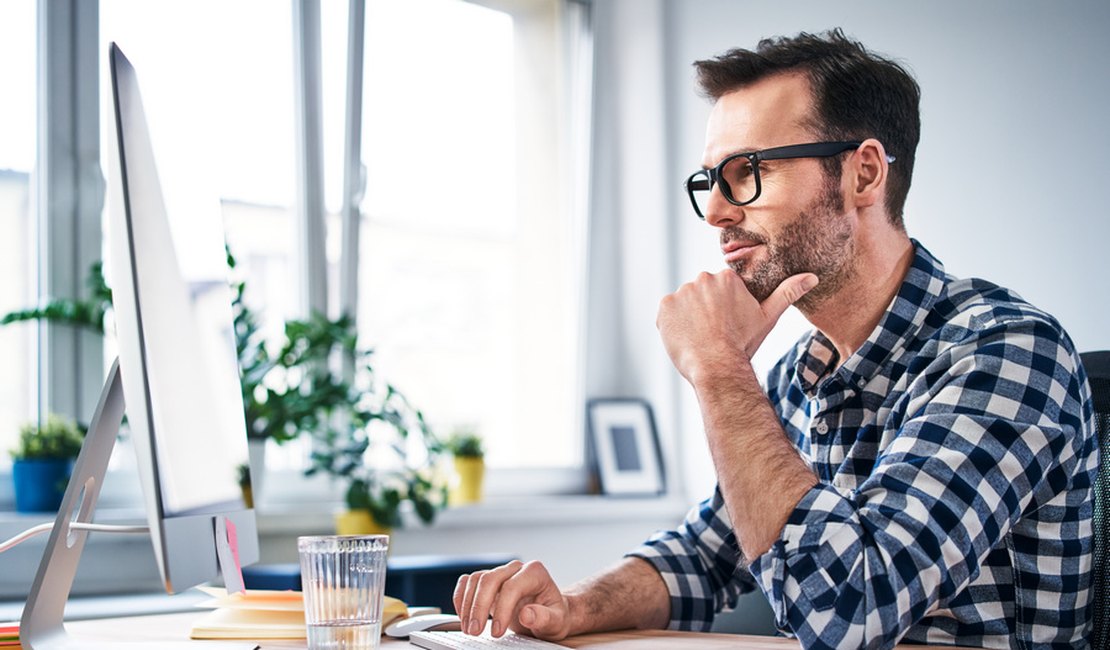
column 168, row 627
column 171, row 627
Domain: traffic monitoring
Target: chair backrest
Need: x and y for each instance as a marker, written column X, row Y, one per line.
column 1097, row 365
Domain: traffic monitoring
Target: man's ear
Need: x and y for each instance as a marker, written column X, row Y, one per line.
column 867, row 173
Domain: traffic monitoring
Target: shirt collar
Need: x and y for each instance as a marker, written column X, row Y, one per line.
column 904, row 317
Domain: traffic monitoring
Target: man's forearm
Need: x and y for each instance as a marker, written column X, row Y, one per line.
column 760, row 473
column 631, row 594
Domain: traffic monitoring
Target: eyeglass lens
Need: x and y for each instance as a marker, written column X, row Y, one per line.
column 737, row 179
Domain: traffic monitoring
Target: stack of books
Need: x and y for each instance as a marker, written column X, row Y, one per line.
column 9, row 634
column 264, row 614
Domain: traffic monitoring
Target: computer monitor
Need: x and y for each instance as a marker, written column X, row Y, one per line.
column 179, row 376
column 178, row 362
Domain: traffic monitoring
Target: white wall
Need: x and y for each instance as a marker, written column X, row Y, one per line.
column 1010, row 182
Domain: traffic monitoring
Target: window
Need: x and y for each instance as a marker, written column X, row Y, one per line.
column 470, row 248
column 469, row 256
column 17, row 247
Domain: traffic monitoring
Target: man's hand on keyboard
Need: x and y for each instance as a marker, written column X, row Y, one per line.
column 519, row 597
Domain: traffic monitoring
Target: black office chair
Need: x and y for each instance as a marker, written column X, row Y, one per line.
column 1098, row 373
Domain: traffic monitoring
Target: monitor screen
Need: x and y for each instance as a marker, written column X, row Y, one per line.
column 177, row 354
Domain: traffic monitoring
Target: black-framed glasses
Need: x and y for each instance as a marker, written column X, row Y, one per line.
column 738, row 174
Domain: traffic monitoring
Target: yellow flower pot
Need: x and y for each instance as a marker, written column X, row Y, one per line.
column 470, row 472
column 358, row 522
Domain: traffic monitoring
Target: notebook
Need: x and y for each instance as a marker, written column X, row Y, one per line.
column 265, row 614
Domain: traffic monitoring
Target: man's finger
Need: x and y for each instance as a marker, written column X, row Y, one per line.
column 513, row 596
column 467, row 598
column 485, row 594
column 787, row 294
column 460, row 590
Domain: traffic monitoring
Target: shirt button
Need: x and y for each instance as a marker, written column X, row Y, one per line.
column 822, row 427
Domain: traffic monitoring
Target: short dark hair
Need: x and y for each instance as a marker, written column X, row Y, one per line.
column 857, row 95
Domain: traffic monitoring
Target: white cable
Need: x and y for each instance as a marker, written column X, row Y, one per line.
column 76, row 525
column 26, row 535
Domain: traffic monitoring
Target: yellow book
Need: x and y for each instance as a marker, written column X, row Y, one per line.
column 237, row 623
column 265, row 614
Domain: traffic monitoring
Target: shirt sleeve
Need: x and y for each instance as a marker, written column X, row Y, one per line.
column 994, row 430
column 700, row 564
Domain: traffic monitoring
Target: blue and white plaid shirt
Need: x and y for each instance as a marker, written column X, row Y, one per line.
column 956, row 453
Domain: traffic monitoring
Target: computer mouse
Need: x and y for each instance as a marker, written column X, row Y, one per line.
column 434, row 622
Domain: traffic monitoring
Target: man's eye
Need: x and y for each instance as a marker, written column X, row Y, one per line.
column 737, row 170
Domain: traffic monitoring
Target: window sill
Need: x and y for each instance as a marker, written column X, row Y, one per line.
column 494, row 511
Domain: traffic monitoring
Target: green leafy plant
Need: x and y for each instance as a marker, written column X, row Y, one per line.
column 286, row 391
column 363, row 430
column 56, row 439
column 87, row 313
column 465, row 443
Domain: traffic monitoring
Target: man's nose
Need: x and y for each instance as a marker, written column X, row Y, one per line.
column 719, row 213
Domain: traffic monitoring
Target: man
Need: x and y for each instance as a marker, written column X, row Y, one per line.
column 919, row 466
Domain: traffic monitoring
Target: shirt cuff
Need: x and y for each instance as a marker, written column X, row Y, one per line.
column 690, row 592
column 803, row 570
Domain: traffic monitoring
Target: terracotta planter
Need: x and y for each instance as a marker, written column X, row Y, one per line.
column 470, row 471
column 40, row 484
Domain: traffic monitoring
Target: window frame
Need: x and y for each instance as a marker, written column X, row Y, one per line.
column 69, row 194
column 67, row 187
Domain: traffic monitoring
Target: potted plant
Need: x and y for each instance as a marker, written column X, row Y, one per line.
column 465, row 446
column 297, row 389
column 43, row 463
column 369, row 436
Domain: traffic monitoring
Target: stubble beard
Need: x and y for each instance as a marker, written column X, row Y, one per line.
column 818, row 241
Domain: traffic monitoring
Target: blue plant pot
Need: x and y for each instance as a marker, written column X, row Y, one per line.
column 40, row 484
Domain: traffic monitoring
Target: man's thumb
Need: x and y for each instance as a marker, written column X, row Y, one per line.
column 788, row 293
column 537, row 618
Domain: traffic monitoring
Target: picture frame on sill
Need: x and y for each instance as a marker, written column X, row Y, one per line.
column 625, row 447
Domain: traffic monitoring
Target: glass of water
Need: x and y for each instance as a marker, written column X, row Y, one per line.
column 343, row 580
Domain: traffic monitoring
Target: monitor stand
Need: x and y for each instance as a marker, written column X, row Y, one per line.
column 42, row 626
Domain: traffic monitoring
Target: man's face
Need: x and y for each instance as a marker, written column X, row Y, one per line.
column 797, row 224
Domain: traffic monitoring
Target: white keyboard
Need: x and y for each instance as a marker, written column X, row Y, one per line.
column 460, row 641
